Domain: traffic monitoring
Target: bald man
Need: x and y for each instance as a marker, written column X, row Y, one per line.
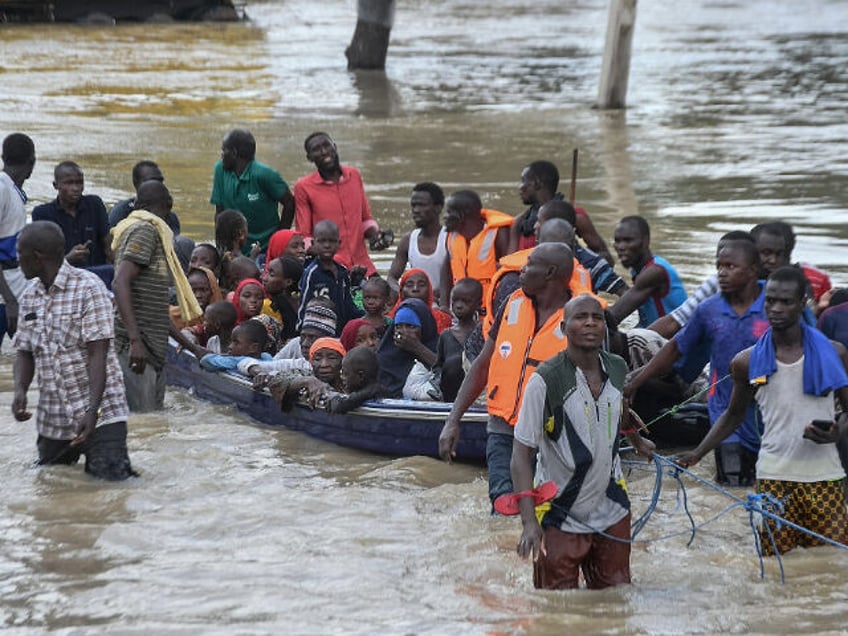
column 556, row 231
column 525, row 332
column 141, row 294
column 604, row 278
column 577, row 448
column 66, row 334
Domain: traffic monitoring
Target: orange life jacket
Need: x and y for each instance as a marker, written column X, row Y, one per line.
column 476, row 258
column 580, row 283
column 519, row 349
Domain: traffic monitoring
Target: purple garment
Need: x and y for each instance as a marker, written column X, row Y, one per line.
column 834, row 323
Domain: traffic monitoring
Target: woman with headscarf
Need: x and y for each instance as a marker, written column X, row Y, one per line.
column 248, row 298
column 359, row 332
column 280, row 280
column 416, row 284
column 412, row 337
column 204, row 286
column 285, row 243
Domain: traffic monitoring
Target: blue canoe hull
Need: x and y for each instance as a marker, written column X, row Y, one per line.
column 390, row 427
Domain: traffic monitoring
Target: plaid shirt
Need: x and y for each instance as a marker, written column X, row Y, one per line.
column 55, row 324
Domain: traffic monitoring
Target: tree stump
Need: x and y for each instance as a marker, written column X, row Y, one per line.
column 370, row 43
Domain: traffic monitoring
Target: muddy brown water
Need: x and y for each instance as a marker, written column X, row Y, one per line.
column 736, row 116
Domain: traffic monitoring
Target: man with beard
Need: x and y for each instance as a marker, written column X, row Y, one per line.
column 424, row 247
column 336, row 193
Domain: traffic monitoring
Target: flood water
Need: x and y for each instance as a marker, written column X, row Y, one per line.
column 736, row 115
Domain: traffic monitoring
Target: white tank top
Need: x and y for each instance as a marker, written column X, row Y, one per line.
column 785, row 454
column 432, row 263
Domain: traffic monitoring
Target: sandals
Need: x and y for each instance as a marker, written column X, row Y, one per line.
column 508, row 504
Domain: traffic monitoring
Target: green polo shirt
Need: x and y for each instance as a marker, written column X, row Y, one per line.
column 256, row 193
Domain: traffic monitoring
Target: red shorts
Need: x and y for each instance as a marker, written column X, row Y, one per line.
column 604, row 562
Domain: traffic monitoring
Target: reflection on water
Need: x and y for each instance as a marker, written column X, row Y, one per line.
column 736, row 115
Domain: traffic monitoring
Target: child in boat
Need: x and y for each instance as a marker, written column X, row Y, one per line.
column 248, row 341
column 286, row 243
column 359, row 380
column 416, row 284
column 204, row 286
column 248, row 299
column 231, row 232
column 466, row 300
column 236, row 269
column 375, row 301
column 219, row 321
column 318, row 322
column 360, row 333
column 324, row 276
column 206, row 255
column 280, row 280
column 215, row 332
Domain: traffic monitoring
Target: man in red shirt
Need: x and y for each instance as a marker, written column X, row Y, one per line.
column 336, row 193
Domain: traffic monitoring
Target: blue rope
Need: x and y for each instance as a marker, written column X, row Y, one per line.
column 637, row 526
column 763, row 504
column 754, row 501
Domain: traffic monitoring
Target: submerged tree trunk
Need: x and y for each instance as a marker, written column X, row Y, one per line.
column 370, row 43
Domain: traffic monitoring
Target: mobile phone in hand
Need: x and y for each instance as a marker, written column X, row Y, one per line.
column 823, row 424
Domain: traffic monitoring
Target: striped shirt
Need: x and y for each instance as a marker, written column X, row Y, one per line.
column 140, row 244
column 706, row 289
column 55, row 326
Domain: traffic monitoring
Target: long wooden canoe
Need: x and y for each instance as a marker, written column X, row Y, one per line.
column 390, row 427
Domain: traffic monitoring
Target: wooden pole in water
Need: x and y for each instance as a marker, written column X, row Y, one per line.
column 572, row 196
column 370, row 43
column 612, row 92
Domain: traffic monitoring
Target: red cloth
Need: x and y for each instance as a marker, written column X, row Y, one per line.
column 819, row 281
column 350, row 331
column 277, row 244
column 345, row 204
column 240, row 315
column 442, row 318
